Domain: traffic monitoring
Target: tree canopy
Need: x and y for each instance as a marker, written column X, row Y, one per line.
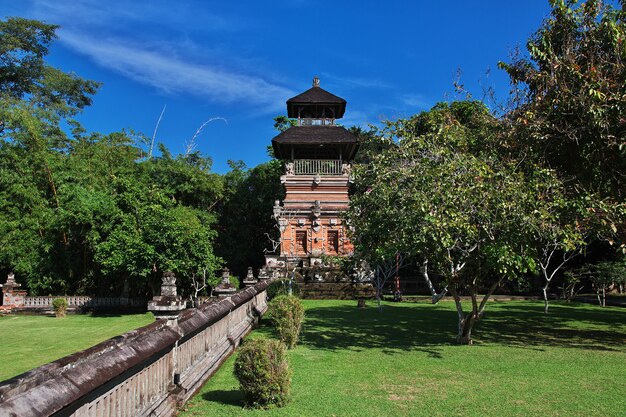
column 84, row 212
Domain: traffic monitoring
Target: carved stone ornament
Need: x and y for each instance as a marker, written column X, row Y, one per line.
column 346, row 169
column 317, row 209
column 226, row 276
column 316, row 225
column 11, row 283
column 317, row 179
column 277, row 209
column 289, row 168
column 168, row 284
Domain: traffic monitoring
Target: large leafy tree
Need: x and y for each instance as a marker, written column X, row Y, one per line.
column 83, row 212
column 571, row 97
column 441, row 193
column 35, row 99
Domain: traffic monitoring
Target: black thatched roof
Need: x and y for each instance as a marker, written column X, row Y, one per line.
column 308, row 136
column 316, row 95
column 314, row 100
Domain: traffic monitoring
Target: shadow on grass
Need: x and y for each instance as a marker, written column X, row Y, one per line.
column 232, row 397
column 571, row 326
column 113, row 313
column 426, row 327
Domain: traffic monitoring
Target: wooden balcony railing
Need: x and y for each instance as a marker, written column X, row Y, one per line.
column 316, row 122
column 317, row 166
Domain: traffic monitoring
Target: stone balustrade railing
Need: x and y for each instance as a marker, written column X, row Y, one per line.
column 79, row 301
column 145, row 372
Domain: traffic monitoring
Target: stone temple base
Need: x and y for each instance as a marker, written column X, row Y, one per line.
column 318, row 281
column 335, row 291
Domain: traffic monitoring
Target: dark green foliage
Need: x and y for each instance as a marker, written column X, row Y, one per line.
column 606, row 275
column 263, row 373
column 23, row 45
column 570, row 94
column 282, row 123
column 86, row 213
column 245, row 224
column 287, row 314
column 60, row 306
column 281, row 287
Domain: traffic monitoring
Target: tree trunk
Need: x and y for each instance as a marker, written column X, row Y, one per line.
column 464, row 336
column 545, row 298
column 435, row 297
column 467, row 322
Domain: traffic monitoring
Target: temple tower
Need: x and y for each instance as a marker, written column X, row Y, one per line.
column 317, row 155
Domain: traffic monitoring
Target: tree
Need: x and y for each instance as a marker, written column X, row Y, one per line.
column 246, row 214
column 84, row 212
column 35, row 99
column 605, row 275
column 570, row 99
column 440, row 193
column 282, row 123
column 559, row 225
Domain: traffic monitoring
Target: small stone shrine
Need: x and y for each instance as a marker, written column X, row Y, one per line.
column 12, row 296
column 225, row 288
column 167, row 305
column 249, row 280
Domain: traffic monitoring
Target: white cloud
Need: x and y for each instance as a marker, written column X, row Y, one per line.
column 416, row 101
column 112, row 14
column 171, row 74
column 357, row 82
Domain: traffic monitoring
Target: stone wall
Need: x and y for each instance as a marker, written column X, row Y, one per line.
column 146, row 372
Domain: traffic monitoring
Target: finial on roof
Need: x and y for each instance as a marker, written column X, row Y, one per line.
column 316, row 81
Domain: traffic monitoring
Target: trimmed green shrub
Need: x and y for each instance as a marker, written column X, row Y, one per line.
column 234, row 281
column 281, row 287
column 287, row 314
column 263, row 373
column 60, row 306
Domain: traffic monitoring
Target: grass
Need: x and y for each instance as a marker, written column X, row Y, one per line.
column 401, row 362
column 29, row 341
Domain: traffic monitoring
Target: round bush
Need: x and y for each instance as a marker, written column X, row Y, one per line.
column 263, row 373
column 60, row 306
column 287, row 314
column 281, row 287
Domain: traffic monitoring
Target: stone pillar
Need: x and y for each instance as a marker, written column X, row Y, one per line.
column 168, row 305
column 249, row 280
column 12, row 297
column 225, row 288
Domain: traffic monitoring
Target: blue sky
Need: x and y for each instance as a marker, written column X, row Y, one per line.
column 241, row 60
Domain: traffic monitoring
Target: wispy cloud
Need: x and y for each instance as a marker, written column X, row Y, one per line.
column 416, row 101
column 112, row 14
column 174, row 75
column 357, row 82
column 148, row 42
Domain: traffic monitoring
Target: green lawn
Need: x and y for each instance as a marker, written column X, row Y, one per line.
column 400, row 362
column 30, row 341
